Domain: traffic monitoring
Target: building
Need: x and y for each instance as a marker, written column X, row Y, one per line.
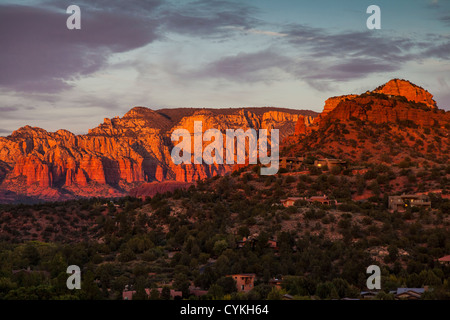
column 289, row 202
column 291, row 163
column 445, row 260
column 244, row 281
column 400, row 203
column 273, row 244
column 368, row 295
column 409, row 293
column 321, row 199
column 276, row 282
column 330, row 163
column 246, row 242
column 29, row 271
column 128, row 294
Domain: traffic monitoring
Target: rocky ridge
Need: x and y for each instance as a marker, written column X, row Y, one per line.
column 119, row 154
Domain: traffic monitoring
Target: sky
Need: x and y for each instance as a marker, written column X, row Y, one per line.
column 209, row 53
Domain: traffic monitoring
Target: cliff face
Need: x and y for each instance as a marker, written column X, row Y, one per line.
column 119, row 154
column 332, row 103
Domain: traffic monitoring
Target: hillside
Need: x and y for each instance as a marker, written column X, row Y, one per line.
column 195, row 237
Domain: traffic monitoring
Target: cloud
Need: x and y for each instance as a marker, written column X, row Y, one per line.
column 208, row 17
column 446, row 20
column 253, row 66
column 39, row 54
column 14, row 108
column 321, row 43
column 257, row 31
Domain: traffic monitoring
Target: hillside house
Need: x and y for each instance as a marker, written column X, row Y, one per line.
column 368, row 295
column 445, row 260
column 29, row 271
column 409, row 293
column 273, row 244
column 244, row 281
column 400, row 203
column 289, row 202
column 276, row 282
column 246, row 242
column 330, row 163
column 321, row 199
column 291, row 163
column 128, row 294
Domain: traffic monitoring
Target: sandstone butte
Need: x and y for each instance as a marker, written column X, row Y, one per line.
column 121, row 153
column 397, row 100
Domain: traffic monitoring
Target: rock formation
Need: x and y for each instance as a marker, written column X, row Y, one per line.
column 410, row 91
column 400, row 100
column 121, row 153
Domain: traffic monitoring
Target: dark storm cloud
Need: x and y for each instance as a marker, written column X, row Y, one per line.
column 39, row 53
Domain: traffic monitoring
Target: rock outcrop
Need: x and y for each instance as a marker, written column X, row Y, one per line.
column 120, row 153
column 396, row 100
column 410, row 91
column 332, row 103
column 376, row 110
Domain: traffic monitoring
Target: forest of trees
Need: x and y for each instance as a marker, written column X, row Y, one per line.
column 189, row 237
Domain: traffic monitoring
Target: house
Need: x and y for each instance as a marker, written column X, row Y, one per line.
column 409, row 293
column 29, row 271
column 400, row 203
column 291, row 163
column 321, row 199
column 276, row 282
column 196, row 291
column 246, row 242
column 445, row 260
column 368, row 295
column 289, row 202
column 273, row 244
column 330, row 163
column 128, row 294
column 244, row 281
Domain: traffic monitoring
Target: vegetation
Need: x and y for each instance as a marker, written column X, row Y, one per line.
column 189, row 238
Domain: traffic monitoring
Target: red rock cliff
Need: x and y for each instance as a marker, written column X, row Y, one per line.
column 120, row 153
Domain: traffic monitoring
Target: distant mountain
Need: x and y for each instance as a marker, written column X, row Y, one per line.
column 121, row 153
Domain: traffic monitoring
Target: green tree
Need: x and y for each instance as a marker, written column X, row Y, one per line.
column 165, row 293
column 154, row 294
column 31, row 255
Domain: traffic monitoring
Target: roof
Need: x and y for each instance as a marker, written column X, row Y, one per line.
column 405, row 290
column 444, row 259
column 292, row 198
column 318, row 198
column 243, row 275
column 366, row 293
